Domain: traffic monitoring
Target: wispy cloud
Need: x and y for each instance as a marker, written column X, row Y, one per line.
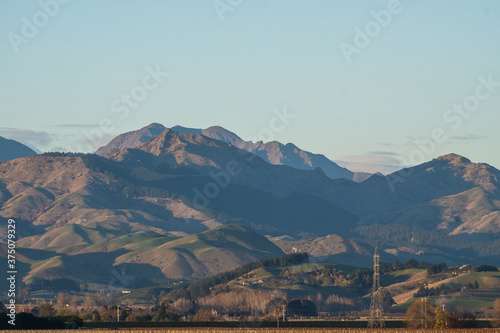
column 36, row 140
column 385, row 163
column 74, row 126
column 383, row 153
column 63, row 137
column 469, row 137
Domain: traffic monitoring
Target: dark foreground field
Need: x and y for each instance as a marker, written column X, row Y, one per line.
column 270, row 330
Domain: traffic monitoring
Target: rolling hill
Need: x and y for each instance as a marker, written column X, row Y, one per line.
column 333, row 249
column 143, row 260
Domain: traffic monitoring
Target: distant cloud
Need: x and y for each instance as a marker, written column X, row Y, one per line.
column 59, row 149
column 397, row 145
column 385, row 163
column 383, row 153
column 73, row 126
column 37, row 141
column 469, row 137
column 63, row 138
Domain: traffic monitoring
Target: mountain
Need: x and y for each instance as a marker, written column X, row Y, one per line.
column 473, row 211
column 272, row 152
column 445, row 175
column 10, row 150
column 179, row 185
column 223, row 162
column 49, row 194
column 379, row 202
column 132, row 139
column 360, row 177
column 63, row 200
column 142, row 260
column 214, row 132
column 275, row 152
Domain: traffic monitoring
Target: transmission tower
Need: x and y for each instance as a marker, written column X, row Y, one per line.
column 377, row 302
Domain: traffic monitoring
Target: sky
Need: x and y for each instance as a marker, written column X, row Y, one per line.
column 372, row 85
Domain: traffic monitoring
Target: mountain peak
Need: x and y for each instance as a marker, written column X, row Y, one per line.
column 454, row 159
column 222, row 134
column 154, row 126
column 132, row 139
column 213, row 132
column 182, row 129
column 165, row 132
column 272, row 152
column 219, row 129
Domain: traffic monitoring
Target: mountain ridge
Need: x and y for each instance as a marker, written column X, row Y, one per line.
column 177, row 185
column 272, row 152
column 11, row 149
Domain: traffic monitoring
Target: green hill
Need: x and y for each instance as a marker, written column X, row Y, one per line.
column 140, row 260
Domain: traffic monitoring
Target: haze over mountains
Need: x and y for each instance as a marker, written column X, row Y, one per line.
column 174, row 204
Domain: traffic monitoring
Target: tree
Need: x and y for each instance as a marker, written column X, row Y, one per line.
column 496, row 319
column 295, row 307
column 485, row 268
column 435, row 269
column 461, row 319
column 96, row 316
column 276, row 306
column 420, row 315
column 440, row 318
column 164, row 315
column 206, row 315
column 411, row 263
column 140, row 315
column 46, row 310
column 387, row 299
column 303, row 308
column 182, row 306
column 62, row 299
column 399, row 265
column 309, row 309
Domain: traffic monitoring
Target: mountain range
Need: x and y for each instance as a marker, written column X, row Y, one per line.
column 182, row 205
column 272, row 152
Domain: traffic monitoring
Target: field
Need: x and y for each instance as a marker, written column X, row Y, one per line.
column 269, row 330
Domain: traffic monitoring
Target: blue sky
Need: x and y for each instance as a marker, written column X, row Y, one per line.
column 376, row 112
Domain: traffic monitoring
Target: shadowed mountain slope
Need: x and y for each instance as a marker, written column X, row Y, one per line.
column 10, row 149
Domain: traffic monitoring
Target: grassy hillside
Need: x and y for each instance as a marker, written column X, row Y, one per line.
column 333, row 249
column 140, row 260
column 456, row 288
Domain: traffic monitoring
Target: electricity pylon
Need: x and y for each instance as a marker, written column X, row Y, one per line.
column 377, row 302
